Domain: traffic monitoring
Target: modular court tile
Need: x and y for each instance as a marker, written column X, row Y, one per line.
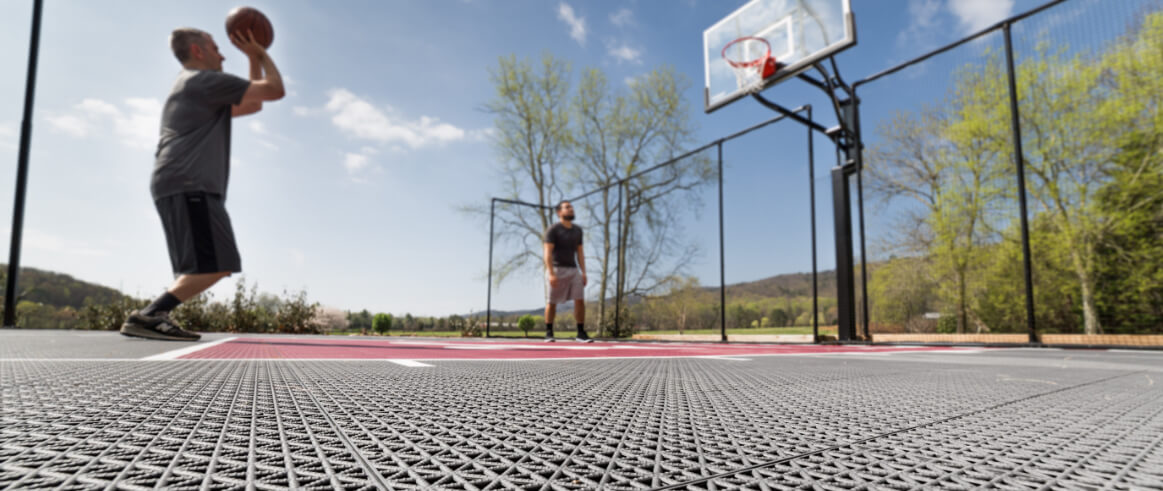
column 752, row 418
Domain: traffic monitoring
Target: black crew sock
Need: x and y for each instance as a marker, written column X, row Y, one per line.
column 549, row 330
column 581, row 329
column 165, row 303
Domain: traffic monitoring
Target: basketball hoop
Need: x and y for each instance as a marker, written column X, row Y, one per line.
column 750, row 71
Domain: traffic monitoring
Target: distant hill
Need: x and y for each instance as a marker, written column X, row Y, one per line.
column 784, row 285
column 57, row 289
column 779, row 286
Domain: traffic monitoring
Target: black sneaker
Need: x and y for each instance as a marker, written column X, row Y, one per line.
column 549, row 337
column 156, row 327
column 583, row 337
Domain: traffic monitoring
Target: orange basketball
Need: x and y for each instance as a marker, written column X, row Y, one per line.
column 242, row 19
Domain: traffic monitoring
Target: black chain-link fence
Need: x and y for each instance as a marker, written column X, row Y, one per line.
column 942, row 182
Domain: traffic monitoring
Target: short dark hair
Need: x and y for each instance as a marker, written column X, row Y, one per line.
column 560, row 204
column 181, row 40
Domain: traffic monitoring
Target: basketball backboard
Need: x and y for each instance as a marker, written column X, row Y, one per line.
column 798, row 33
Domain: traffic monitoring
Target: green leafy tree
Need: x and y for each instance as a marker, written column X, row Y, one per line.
column 526, row 323
column 901, row 292
column 1083, row 114
column 382, row 323
column 361, row 320
column 297, row 315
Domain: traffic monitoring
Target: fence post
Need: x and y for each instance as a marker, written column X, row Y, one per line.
column 858, row 144
column 812, row 195
column 10, row 293
column 618, row 272
column 489, row 304
column 722, row 257
column 1020, row 162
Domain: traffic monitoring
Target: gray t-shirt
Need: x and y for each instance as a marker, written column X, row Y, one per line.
column 565, row 242
column 193, row 153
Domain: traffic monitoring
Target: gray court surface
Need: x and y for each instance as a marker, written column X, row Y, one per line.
column 79, row 411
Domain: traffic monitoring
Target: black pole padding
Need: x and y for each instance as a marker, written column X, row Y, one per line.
column 842, row 221
column 1020, row 163
column 10, row 291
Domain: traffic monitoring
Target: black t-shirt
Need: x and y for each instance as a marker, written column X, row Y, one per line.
column 565, row 243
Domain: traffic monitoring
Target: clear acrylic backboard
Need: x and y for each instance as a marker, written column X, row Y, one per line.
column 798, row 34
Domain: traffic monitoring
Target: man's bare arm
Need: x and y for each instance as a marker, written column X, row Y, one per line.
column 270, row 86
column 251, row 107
column 581, row 262
column 548, row 259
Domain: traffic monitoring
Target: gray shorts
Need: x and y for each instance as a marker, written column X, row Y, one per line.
column 569, row 286
column 198, row 234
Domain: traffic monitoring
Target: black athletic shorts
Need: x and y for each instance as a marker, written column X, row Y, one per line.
column 198, row 234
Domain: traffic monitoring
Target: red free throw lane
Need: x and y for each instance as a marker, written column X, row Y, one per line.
column 374, row 349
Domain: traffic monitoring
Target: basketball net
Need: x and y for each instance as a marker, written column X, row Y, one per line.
column 748, row 58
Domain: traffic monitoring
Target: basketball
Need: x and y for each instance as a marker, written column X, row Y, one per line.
column 243, row 18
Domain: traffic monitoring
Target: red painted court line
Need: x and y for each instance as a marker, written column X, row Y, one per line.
column 372, row 349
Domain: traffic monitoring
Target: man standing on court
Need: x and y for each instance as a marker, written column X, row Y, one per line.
column 192, row 169
column 566, row 277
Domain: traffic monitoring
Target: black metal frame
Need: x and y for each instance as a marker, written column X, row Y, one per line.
column 621, row 184
column 11, row 292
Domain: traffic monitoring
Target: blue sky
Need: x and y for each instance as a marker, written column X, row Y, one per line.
column 349, row 187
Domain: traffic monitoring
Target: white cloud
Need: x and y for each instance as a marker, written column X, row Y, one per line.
column 8, row 136
column 624, row 53
column 141, row 126
column 622, row 18
column 257, row 127
column 297, row 257
column 40, row 241
column 975, row 15
column 482, row 135
column 355, row 162
column 303, row 111
column 136, row 124
column 360, row 119
column 74, row 126
column 924, row 25
column 577, row 25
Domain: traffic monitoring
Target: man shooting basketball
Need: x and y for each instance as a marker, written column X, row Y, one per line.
column 192, row 168
column 566, row 277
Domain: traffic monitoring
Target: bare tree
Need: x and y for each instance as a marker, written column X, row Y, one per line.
column 532, row 140
column 618, row 134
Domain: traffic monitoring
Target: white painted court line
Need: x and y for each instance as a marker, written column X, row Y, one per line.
column 171, row 355
column 1136, row 351
column 517, row 347
column 45, row 360
column 409, row 363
